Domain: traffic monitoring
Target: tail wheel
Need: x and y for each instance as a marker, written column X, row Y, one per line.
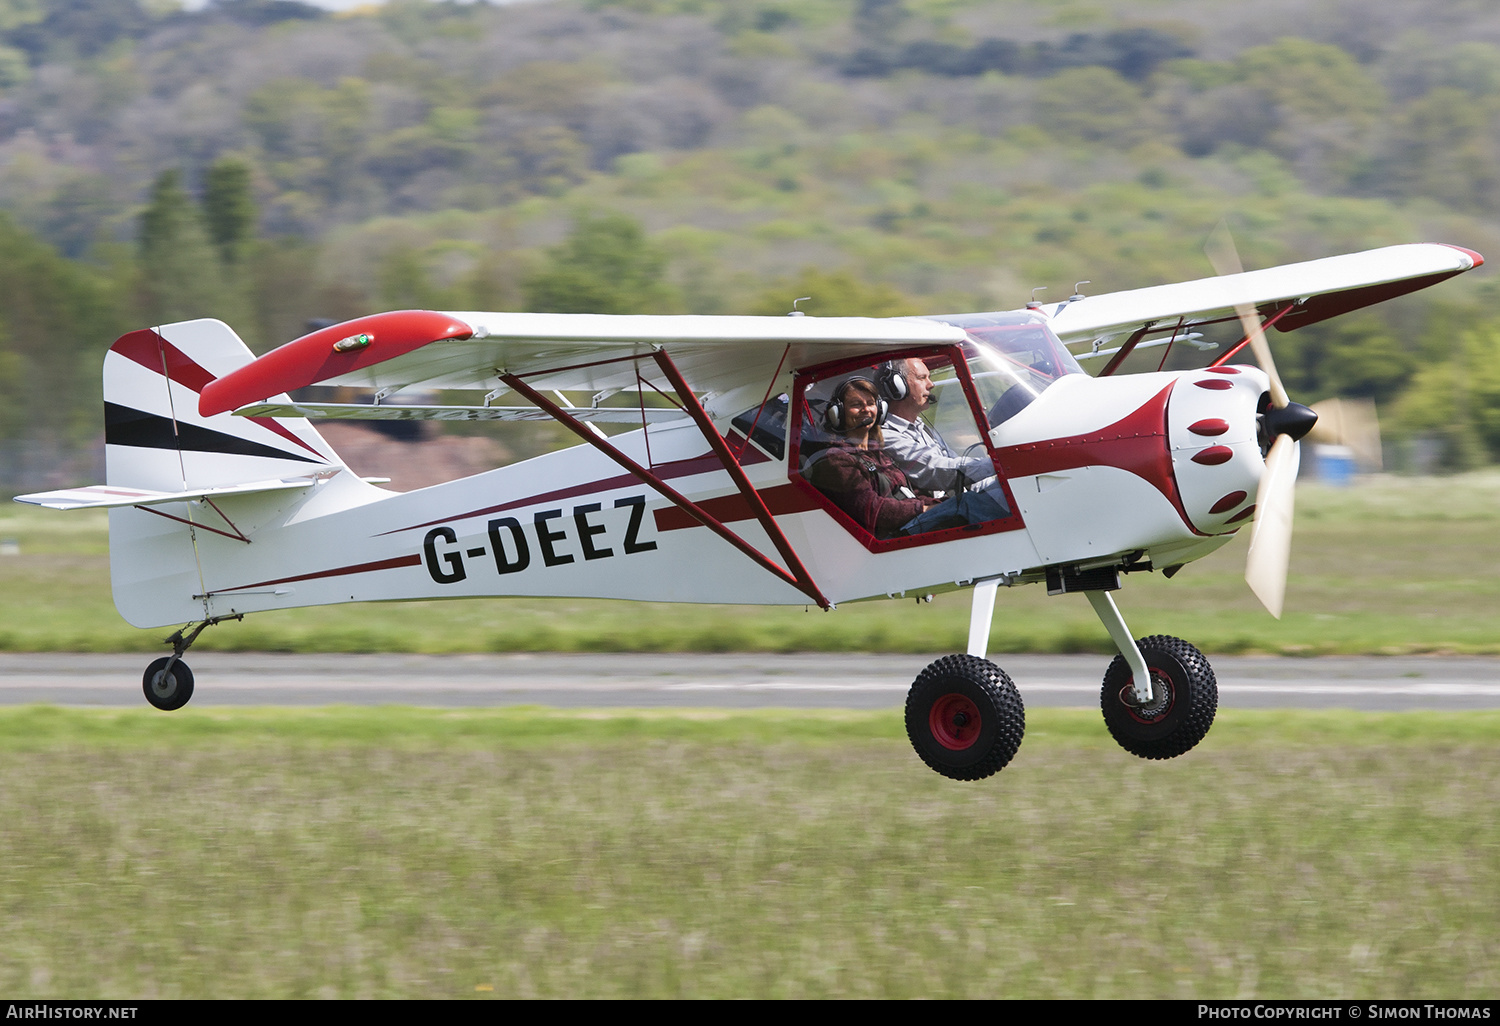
column 1185, row 700
column 168, row 689
column 965, row 717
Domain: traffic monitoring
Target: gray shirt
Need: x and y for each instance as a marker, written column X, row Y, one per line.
column 929, row 465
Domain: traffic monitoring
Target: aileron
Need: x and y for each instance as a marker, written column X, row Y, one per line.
column 1321, row 288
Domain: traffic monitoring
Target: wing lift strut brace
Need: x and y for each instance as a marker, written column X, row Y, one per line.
column 1151, row 326
column 1278, row 315
column 794, row 573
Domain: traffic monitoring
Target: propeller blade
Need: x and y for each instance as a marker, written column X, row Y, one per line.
column 1350, row 422
column 1226, row 260
column 1271, row 532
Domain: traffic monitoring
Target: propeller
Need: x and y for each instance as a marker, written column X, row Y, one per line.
column 1351, row 423
column 1282, row 424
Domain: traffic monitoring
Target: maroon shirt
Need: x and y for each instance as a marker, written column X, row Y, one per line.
column 866, row 484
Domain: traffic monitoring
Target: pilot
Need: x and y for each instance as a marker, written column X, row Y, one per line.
column 918, row 450
column 855, row 471
column 973, row 491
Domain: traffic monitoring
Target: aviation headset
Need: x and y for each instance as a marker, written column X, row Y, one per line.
column 833, row 414
column 890, row 381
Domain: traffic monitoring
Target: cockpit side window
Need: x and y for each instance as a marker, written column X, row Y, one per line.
column 895, row 450
column 766, row 425
column 1014, row 357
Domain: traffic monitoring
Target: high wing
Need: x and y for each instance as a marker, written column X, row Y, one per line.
column 733, row 358
column 713, row 366
column 1292, row 295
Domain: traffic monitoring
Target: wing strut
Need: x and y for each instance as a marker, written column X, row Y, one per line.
column 798, row 577
column 1278, row 315
column 1127, row 349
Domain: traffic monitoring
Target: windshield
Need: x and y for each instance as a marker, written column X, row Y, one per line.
column 1013, row 358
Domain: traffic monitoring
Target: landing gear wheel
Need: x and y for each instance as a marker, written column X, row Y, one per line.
column 168, row 690
column 1186, row 698
column 965, row 717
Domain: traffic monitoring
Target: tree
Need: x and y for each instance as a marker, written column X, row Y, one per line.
column 1457, row 401
column 1316, row 80
column 605, row 265
column 1093, row 105
column 835, row 294
column 1324, row 104
column 78, row 27
column 181, row 276
column 228, row 209
column 1360, row 356
column 1442, row 146
column 56, row 319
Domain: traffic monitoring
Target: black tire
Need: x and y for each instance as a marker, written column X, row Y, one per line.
column 965, row 717
column 169, row 692
column 1179, row 719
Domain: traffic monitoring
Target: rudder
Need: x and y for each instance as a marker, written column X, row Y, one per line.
column 156, row 439
column 154, row 436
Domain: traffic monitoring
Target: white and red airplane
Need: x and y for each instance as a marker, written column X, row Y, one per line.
column 224, row 500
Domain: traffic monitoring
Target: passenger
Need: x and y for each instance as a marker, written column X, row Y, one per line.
column 969, row 485
column 855, row 471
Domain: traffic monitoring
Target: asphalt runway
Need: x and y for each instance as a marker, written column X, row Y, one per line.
column 734, row 681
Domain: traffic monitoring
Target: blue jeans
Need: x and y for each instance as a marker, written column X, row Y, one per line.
column 957, row 510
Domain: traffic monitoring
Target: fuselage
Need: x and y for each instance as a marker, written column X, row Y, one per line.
column 1150, row 469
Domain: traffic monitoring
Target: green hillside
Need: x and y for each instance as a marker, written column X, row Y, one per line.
column 268, row 162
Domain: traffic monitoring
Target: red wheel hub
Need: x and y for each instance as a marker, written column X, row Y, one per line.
column 1159, row 710
column 954, row 721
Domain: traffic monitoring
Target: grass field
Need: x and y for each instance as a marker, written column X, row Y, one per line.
column 1394, row 565
column 525, row 853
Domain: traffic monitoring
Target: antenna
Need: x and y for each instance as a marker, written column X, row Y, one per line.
column 795, row 312
column 1078, row 291
column 1035, row 304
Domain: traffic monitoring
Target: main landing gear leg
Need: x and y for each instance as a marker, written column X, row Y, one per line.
column 981, row 616
column 1174, row 709
column 1109, row 615
column 964, row 716
column 168, row 683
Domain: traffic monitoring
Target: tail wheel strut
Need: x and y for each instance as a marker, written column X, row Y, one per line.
column 168, row 683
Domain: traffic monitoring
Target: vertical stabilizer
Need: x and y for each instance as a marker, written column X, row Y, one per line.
column 154, row 436
column 155, row 439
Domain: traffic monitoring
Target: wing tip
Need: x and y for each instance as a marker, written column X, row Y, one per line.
column 1476, row 259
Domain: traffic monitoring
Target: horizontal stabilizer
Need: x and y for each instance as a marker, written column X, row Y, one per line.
column 108, row 496
column 369, row 411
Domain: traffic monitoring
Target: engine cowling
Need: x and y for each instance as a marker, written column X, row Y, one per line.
column 1212, row 431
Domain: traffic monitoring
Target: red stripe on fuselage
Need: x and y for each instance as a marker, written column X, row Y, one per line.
column 705, row 464
column 1136, row 443
column 360, row 568
column 780, row 500
column 150, row 350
